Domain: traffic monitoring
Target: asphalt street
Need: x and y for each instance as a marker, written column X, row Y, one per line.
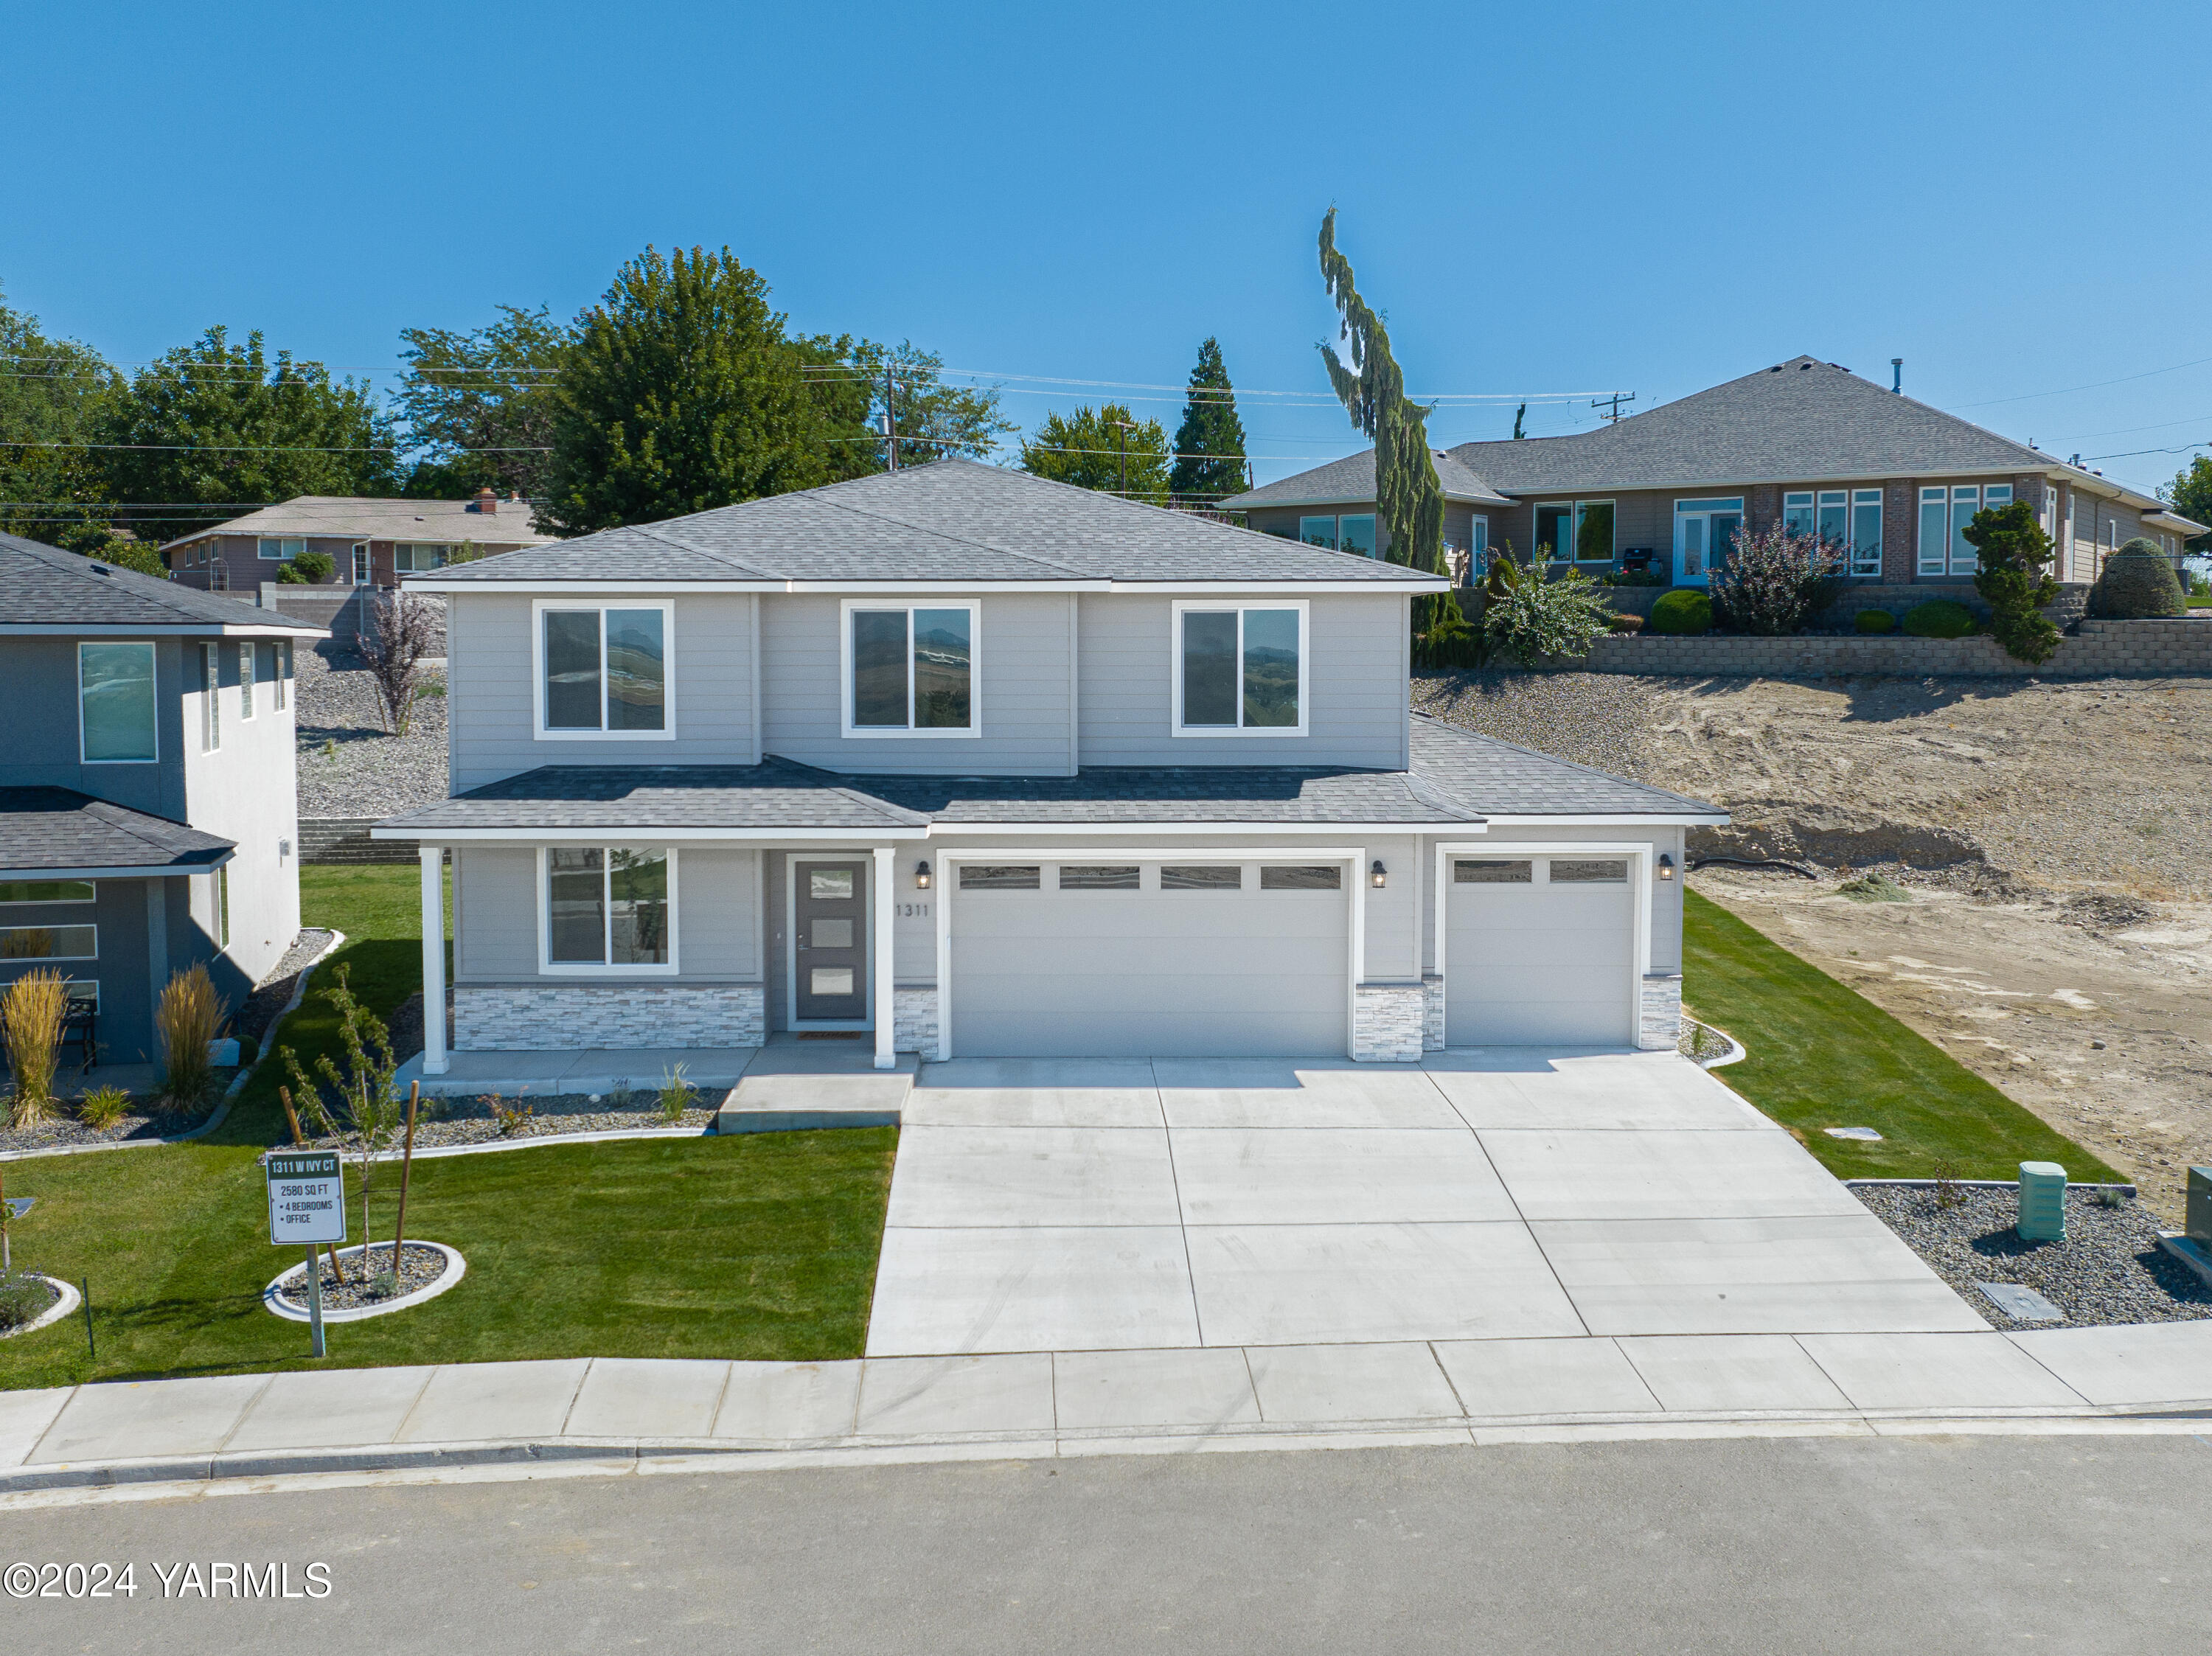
column 1950, row 1544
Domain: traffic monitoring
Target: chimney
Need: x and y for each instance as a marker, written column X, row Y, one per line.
column 1896, row 374
column 487, row 502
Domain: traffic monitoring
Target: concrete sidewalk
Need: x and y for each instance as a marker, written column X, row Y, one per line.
column 623, row 1412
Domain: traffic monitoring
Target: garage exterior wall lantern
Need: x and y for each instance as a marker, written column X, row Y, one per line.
column 1377, row 877
column 1665, row 867
column 922, row 876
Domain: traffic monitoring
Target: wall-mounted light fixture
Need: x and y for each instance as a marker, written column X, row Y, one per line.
column 922, row 876
column 1666, row 866
column 1376, row 877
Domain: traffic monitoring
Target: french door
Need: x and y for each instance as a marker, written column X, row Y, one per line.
column 1704, row 534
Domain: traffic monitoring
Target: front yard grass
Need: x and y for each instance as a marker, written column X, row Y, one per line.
column 1822, row 1055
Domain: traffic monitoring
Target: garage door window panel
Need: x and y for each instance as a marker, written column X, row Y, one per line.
column 1241, row 669
column 999, row 877
column 1490, row 872
column 1302, row 877
column 1097, row 877
column 1597, row 871
column 1202, row 877
column 909, row 671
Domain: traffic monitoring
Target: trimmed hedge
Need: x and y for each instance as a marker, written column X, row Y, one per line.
column 2139, row 585
column 1939, row 618
column 1682, row 612
column 1875, row 621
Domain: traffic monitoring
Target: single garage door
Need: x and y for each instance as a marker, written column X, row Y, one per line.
column 1182, row 958
column 1539, row 952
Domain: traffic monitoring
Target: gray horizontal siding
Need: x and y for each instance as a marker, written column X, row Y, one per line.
column 496, row 918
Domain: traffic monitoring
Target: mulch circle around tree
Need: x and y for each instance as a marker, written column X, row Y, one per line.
column 420, row 1265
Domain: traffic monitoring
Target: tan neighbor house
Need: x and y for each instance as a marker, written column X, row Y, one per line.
column 370, row 543
column 1804, row 442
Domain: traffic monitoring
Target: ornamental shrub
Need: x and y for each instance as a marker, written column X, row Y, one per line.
column 1875, row 621
column 1939, row 618
column 1775, row 580
column 1682, row 612
column 1627, row 623
column 311, row 566
column 2139, row 585
column 1531, row 619
column 2014, row 557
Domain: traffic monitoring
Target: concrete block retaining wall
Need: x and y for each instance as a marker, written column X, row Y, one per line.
column 1389, row 1021
column 523, row 1017
column 2099, row 649
column 1659, row 1011
column 345, row 839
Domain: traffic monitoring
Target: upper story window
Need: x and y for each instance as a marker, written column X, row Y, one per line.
column 1579, row 532
column 1944, row 515
column 115, row 704
column 909, row 671
column 604, row 670
column 418, row 557
column 245, row 676
column 1240, row 669
column 1349, row 531
column 280, row 662
column 279, row 548
column 210, row 697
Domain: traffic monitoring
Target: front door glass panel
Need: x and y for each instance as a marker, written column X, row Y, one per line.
column 829, row 931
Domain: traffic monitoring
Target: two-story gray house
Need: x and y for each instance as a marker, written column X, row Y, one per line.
column 148, row 808
column 985, row 764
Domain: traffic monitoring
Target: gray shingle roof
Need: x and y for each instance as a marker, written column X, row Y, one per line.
column 1282, row 796
column 364, row 518
column 44, row 585
column 777, row 793
column 44, row 830
column 1501, row 778
column 1353, row 478
column 952, row 520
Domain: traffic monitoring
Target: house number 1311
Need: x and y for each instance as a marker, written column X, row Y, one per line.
column 913, row 909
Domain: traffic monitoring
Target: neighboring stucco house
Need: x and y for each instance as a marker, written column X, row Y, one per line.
column 987, row 764
column 370, row 543
column 1804, row 442
column 147, row 814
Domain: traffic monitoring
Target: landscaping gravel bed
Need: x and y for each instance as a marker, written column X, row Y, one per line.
column 2110, row 1268
column 348, row 767
column 140, row 1121
column 25, row 1298
column 420, row 1266
column 470, row 1120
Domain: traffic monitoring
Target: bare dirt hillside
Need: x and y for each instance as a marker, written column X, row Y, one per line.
column 2053, row 843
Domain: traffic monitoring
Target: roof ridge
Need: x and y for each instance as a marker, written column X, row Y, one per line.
column 1464, row 733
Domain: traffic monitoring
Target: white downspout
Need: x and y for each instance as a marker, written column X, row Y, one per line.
column 434, row 960
column 882, row 909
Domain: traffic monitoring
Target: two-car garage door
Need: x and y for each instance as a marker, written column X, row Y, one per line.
column 1538, row 951
column 1172, row 958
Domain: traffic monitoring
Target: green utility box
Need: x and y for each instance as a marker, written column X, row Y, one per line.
column 2198, row 1226
column 2042, row 1202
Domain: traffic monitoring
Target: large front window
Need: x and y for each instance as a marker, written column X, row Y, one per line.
column 274, row 547
column 1944, row 515
column 417, row 557
column 1350, row 531
column 1240, row 669
column 604, row 671
column 115, row 703
column 1579, row 532
column 609, row 907
column 910, row 670
column 1847, row 520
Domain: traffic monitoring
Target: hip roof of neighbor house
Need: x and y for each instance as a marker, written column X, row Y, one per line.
column 58, row 831
column 367, row 519
column 948, row 522
column 1802, row 420
column 1353, row 478
column 44, row 588
column 1459, row 779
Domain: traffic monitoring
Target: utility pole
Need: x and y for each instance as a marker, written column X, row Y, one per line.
column 1611, row 405
column 891, row 420
column 1121, row 430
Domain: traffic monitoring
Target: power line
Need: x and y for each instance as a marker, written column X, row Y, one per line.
column 267, row 448
column 2099, row 384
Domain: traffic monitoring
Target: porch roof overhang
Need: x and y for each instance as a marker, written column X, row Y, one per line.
column 52, row 833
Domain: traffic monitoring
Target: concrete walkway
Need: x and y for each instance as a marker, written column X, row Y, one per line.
column 619, row 1412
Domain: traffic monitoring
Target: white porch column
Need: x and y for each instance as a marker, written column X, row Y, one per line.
column 882, row 904
column 434, row 960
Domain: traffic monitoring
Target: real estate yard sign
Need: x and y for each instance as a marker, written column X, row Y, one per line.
column 307, row 1206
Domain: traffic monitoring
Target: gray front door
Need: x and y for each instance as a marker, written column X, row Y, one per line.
column 829, row 940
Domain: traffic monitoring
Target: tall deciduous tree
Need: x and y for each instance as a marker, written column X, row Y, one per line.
column 1408, row 497
column 681, row 393
column 478, row 405
column 1107, row 449
column 1209, row 444
column 854, row 382
column 224, row 426
column 2190, row 494
column 53, row 394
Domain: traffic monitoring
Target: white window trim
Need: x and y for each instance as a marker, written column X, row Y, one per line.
column 51, row 902
column 53, row 925
column 279, row 556
column 1935, row 561
column 153, row 677
column 1181, row 607
column 547, row 967
column 280, row 672
column 211, row 697
column 1866, row 561
column 537, row 612
column 443, row 548
column 848, row 608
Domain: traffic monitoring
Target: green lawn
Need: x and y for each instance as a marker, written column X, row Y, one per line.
column 762, row 1246
column 1824, row 1056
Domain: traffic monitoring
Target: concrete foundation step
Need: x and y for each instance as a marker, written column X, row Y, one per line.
column 789, row 1089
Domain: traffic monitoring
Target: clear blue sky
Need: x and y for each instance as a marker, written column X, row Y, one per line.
column 1543, row 198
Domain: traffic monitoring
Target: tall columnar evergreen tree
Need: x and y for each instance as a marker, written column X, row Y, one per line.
column 1408, row 498
column 681, row 393
column 225, row 426
column 1209, row 444
column 479, row 404
column 1106, row 449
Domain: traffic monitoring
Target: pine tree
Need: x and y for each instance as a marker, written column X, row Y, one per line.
column 1209, row 444
column 1408, row 498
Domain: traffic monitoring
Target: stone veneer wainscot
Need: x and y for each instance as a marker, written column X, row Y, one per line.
column 534, row 1017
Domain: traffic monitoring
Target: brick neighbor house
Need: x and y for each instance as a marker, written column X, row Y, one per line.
column 370, row 543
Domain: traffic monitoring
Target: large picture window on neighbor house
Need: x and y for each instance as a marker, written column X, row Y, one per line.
column 115, row 703
column 1240, row 669
column 609, row 907
column 1579, row 532
column 1944, row 515
column 417, row 557
column 1351, row 531
column 1849, row 520
column 604, row 671
column 910, row 671
column 284, row 548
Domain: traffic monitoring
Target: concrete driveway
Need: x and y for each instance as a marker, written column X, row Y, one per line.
column 1089, row 1204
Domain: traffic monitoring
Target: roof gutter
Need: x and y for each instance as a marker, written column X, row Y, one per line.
column 121, row 872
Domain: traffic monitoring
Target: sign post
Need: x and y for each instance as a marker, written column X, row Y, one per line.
column 307, row 1205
